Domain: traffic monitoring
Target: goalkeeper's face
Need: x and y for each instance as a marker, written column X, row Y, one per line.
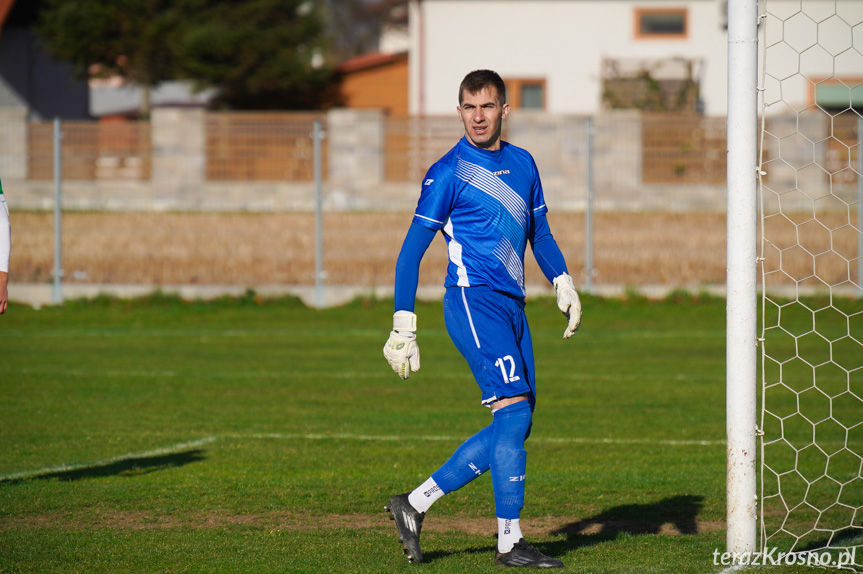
column 482, row 114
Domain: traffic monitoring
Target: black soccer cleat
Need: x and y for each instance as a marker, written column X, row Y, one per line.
column 409, row 522
column 524, row 555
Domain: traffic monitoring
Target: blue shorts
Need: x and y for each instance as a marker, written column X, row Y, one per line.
column 490, row 330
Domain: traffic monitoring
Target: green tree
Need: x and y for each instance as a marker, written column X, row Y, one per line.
column 107, row 37
column 260, row 54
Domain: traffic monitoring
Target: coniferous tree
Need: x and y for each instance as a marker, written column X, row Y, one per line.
column 258, row 54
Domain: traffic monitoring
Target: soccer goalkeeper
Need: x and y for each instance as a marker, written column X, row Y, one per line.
column 486, row 197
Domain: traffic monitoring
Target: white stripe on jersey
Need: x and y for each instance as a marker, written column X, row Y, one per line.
column 428, row 218
column 454, row 249
column 492, row 185
column 511, row 261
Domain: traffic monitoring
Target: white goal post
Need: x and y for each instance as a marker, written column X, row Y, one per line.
column 795, row 182
column 741, row 315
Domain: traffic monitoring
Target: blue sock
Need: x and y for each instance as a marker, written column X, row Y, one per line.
column 469, row 461
column 510, row 428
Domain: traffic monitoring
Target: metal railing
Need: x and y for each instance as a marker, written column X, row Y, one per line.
column 260, row 147
column 615, row 227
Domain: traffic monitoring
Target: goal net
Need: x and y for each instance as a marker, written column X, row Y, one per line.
column 811, row 193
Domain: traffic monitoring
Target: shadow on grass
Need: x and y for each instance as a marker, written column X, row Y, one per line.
column 438, row 554
column 132, row 466
column 674, row 516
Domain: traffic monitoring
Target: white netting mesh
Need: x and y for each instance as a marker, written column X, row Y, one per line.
column 812, row 236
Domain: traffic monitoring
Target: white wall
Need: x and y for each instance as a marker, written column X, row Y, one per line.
column 807, row 44
column 563, row 41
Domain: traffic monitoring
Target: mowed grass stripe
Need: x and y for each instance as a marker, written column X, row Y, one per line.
column 294, row 374
column 273, row 409
column 341, row 331
column 196, row 443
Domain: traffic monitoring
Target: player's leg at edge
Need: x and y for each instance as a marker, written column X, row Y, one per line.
column 409, row 522
column 408, row 510
column 508, row 470
column 503, row 442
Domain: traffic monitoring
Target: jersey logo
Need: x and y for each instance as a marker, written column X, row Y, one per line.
column 501, row 172
column 428, row 182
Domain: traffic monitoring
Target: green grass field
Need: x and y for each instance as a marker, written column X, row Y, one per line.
column 250, row 435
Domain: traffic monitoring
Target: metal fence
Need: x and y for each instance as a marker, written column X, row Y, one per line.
column 635, row 199
column 91, row 151
column 259, row 147
column 370, row 162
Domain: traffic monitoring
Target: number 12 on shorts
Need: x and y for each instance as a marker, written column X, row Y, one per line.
column 512, row 377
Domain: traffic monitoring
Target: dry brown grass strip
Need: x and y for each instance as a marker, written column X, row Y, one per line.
column 673, row 249
column 286, row 521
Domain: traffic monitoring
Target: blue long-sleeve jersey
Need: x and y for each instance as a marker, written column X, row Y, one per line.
column 488, row 204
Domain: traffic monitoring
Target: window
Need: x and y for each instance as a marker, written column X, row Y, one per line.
column 839, row 96
column 660, row 23
column 841, row 99
column 532, row 96
column 526, row 94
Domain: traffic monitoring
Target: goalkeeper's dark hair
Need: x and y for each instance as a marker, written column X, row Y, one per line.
column 477, row 80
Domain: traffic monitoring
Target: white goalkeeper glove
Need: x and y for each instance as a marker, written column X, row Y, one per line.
column 401, row 350
column 568, row 303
